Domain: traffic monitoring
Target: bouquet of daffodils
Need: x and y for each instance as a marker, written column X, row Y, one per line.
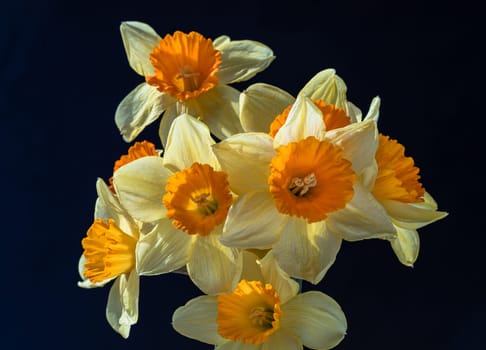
column 250, row 194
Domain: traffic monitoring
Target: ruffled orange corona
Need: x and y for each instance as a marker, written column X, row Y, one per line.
column 397, row 178
column 185, row 65
column 250, row 314
column 310, row 179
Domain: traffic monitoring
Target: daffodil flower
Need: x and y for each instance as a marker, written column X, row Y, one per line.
column 264, row 313
column 186, row 73
column 306, row 191
column 118, row 248
column 187, row 190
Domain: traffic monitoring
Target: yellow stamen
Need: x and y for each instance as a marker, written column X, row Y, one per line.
column 310, row 179
column 197, row 199
column 185, row 65
column 332, row 116
column 109, row 252
column 250, row 314
column 398, row 178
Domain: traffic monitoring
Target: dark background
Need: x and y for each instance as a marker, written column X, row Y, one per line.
column 63, row 71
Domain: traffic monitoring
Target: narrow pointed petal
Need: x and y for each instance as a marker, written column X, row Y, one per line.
column 164, row 249
column 374, row 110
column 197, row 320
column 244, row 153
column 122, row 306
column 406, row 246
column 327, row 86
column 353, row 112
column 242, row 60
column 283, row 340
column 214, row 268
column 304, row 120
column 258, row 209
column 141, row 107
column 140, row 186
column 316, row 318
column 260, row 104
column 139, row 39
column 189, row 141
column 362, row 218
column 165, row 124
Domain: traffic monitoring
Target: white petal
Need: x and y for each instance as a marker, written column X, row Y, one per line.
column 259, row 105
column 316, row 318
column 220, row 41
column 411, row 215
column 243, row 154
column 406, row 246
column 165, row 124
column 164, row 249
column 353, row 112
column 189, row 142
column 253, row 222
column 239, row 345
column 304, row 119
column 362, row 218
column 374, row 110
column 197, row 320
column 242, row 59
column 141, row 186
column 327, row 86
column 213, row 267
column 306, row 251
column 122, row 306
column 141, row 107
column 282, row 340
column 139, row 40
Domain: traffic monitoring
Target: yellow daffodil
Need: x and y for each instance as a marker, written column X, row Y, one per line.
column 263, row 313
column 187, row 190
column 186, row 72
column 119, row 248
column 306, row 191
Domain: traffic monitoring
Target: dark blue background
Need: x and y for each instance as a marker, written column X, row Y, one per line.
column 63, row 72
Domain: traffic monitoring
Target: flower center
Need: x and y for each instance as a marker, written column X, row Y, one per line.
column 397, row 178
column 332, row 116
column 197, row 199
column 109, row 251
column 250, row 314
column 310, row 179
column 185, row 65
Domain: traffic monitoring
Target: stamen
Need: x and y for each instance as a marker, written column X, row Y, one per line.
column 262, row 317
column 300, row 187
column 190, row 79
column 204, row 205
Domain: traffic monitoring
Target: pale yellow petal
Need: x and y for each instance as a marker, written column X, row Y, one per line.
column 374, row 110
column 259, row 105
column 316, row 318
column 412, row 216
column 353, row 112
column 165, row 124
column 406, row 246
column 220, row 41
column 122, row 305
column 327, row 86
column 141, row 107
column 239, row 345
column 283, row 340
column 251, row 269
column 139, row 39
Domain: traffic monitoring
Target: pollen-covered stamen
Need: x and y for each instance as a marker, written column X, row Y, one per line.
column 205, row 206
column 190, row 80
column 262, row 317
column 300, row 187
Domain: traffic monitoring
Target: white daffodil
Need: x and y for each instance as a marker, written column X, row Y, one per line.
column 186, row 189
column 263, row 313
column 303, row 191
column 186, row 73
column 119, row 248
column 397, row 188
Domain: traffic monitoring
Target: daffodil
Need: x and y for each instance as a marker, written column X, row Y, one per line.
column 264, row 313
column 187, row 190
column 186, row 72
column 302, row 191
column 118, row 248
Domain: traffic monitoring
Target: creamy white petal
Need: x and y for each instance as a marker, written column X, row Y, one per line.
column 189, row 142
column 242, row 60
column 164, row 249
column 353, row 112
column 122, row 306
column 220, row 41
column 141, row 107
column 239, row 345
column 212, row 267
column 245, row 158
column 253, row 222
column 328, row 86
column 259, row 105
column 374, row 110
column 410, row 215
column 167, row 119
column 304, row 119
column 316, row 318
column 306, row 251
column 139, row 39
column 406, row 246
column 251, row 269
column 283, row 340
column 197, row 320
column 362, row 218
column 140, row 185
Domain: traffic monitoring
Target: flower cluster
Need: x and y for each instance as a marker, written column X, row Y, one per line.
column 249, row 194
